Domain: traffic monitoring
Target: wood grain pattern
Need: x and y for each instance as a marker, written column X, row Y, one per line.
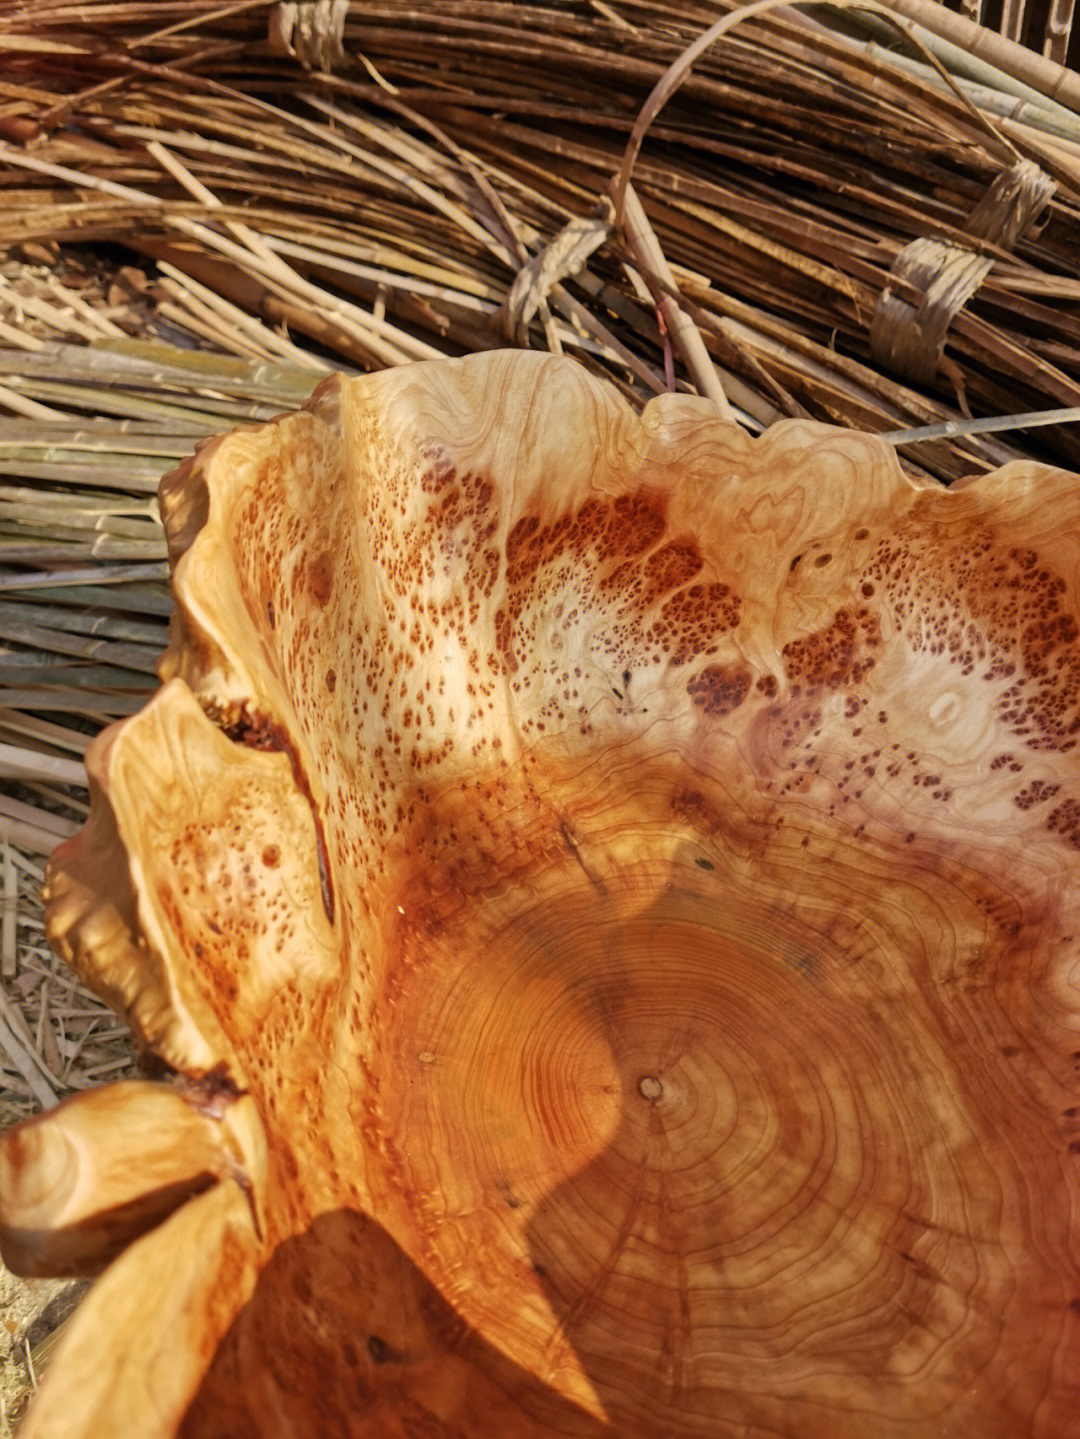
column 630, row 869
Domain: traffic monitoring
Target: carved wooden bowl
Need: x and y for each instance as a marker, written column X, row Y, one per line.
column 608, row 889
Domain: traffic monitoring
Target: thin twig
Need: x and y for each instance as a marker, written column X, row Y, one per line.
column 988, row 425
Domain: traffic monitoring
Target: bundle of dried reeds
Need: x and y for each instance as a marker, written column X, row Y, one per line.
column 375, row 180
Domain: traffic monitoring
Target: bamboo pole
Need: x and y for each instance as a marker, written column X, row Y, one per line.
column 1046, row 76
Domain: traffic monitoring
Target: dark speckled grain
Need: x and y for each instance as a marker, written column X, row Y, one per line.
column 633, row 871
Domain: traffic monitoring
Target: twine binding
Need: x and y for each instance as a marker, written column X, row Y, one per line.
column 908, row 340
column 312, row 33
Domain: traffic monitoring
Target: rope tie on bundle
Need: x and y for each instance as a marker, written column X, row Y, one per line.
column 907, row 339
column 313, row 33
column 565, row 256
